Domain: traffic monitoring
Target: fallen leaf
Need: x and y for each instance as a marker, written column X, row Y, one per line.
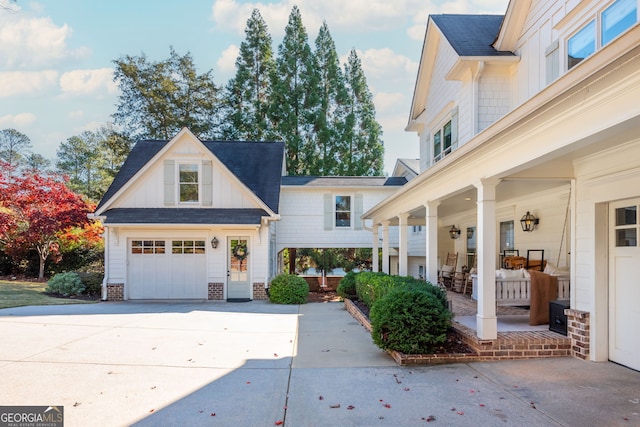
column 77, row 404
column 213, row 414
column 320, row 398
column 482, row 404
column 337, row 405
column 279, row 422
column 248, row 382
column 350, row 407
column 460, row 413
column 284, row 407
column 200, row 411
column 453, row 409
column 275, row 354
column 386, row 405
column 151, row 410
column 406, row 389
column 325, row 351
column 430, row 418
column 153, row 388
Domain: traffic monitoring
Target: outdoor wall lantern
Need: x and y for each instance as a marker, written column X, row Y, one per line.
column 214, row 242
column 529, row 222
column 454, row 232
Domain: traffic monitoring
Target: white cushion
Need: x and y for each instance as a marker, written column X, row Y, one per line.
column 552, row 270
column 511, row 274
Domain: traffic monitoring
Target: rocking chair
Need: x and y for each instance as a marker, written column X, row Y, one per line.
column 448, row 270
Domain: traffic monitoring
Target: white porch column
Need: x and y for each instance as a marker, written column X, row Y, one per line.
column 403, row 269
column 374, row 249
column 486, row 320
column 385, row 246
column 431, row 218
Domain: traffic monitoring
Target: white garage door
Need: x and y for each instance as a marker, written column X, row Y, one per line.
column 167, row 269
column 624, row 283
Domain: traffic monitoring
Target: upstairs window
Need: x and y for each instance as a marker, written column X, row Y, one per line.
column 610, row 23
column 442, row 142
column 581, row 45
column 621, row 15
column 188, row 182
column 343, row 211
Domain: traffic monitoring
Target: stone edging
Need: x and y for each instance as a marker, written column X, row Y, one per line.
column 411, row 359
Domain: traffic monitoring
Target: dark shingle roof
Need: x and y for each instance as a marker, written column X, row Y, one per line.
column 343, row 181
column 257, row 164
column 471, row 35
column 183, row 216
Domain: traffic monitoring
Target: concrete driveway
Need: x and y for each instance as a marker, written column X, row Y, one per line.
column 255, row 364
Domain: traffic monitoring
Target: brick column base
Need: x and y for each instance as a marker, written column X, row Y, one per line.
column 115, row 291
column 259, row 291
column 215, row 291
column 578, row 329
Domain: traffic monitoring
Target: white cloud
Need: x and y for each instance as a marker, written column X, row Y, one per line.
column 386, row 101
column 227, row 61
column 14, row 83
column 34, row 42
column 17, row 120
column 77, row 114
column 385, row 64
column 88, row 82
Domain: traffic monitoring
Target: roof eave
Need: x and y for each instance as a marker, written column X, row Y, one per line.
column 465, row 63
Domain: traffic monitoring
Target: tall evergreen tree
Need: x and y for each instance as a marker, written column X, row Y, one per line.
column 247, row 94
column 294, row 99
column 331, row 109
column 14, row 147
column 362, row 147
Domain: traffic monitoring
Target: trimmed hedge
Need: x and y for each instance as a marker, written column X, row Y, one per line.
column 288, row 289
column 347, row 286
column 410, row 319
column 372, row 286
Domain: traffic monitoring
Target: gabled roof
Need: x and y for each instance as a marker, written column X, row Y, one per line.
column 410, row 166
column 471, row 35
column 258, row 165
column 183, row 216
column 343, row 181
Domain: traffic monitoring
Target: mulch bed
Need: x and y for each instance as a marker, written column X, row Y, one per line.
column 323, row 296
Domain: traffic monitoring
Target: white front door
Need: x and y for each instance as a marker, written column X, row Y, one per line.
column 238, row 277
column 624, row 283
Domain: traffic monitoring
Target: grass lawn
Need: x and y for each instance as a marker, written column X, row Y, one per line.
column 16, row 294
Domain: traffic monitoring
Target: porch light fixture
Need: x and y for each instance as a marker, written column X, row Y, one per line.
column 469, row 233
column 214, row 242
column 529, row 222
column 454, row 232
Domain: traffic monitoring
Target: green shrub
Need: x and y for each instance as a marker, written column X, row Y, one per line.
column 409, row 319
column 65, row 284
column 347, row 286
column 288, row 289
column 92, row 282
column 371, row 286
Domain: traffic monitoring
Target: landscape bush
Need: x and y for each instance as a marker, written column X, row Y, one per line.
column 372, row 286
column 347, row 286
column 65, row 284
column 92, row 282
column 410, row 319
column 288, row 289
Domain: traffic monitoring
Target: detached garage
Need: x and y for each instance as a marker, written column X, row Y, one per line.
column 167, row 269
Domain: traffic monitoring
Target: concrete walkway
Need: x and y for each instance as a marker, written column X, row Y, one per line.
column 255, row 364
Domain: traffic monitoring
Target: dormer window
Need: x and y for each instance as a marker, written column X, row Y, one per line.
column 188, row 182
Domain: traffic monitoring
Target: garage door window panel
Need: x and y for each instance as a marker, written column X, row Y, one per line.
column 148, row 247
column 188, row 247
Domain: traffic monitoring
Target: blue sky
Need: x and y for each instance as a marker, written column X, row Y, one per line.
column 56, row 55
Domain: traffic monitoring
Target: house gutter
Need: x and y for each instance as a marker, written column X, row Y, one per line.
column 105, row 237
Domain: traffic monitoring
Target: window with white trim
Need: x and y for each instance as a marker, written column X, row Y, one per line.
column 343, row 211
column 442, row 142
column 187, row 247
column 605, row 27
column 188, row 183
column 147, row 247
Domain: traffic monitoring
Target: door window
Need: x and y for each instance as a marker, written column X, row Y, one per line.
column 626, row 226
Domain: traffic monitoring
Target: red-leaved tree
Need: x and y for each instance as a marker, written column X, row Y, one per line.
column 33, row 211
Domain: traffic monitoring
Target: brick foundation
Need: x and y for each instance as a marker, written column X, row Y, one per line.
column 115, row 291
column 215, row 291
column 578, row 330
column 259, row 292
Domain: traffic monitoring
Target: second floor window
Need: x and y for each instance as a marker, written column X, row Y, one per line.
column 442, row 142
column 188, row 176
column 343, row 211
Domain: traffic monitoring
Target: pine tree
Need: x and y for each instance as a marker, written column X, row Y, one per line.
column 248, row 93
column 294, row 100
column 331, row 111
column 362, row 150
